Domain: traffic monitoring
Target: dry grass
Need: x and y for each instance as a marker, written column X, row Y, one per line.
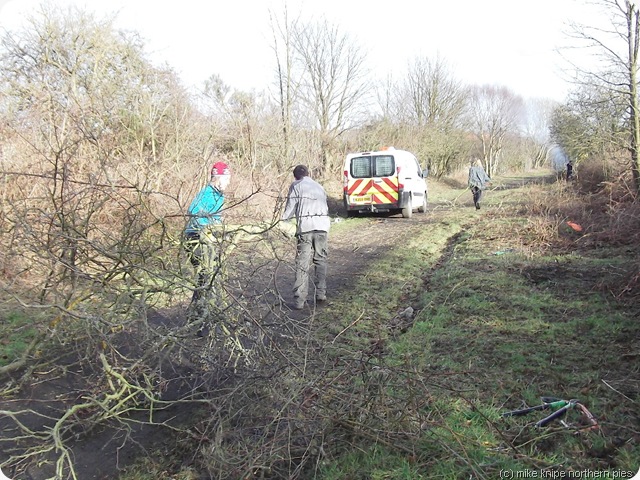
column 590, row 213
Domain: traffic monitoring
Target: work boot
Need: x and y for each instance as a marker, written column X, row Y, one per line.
column 298, row 304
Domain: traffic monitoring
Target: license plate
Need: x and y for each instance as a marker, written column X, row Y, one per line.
column 361, row 199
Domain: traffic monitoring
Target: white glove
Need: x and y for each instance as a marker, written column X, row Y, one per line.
column 287, row 228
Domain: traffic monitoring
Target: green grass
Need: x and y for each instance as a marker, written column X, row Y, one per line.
column 16, row 333
column 375, row 463
column 494, row 333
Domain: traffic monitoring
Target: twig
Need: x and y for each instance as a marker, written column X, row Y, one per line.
column 455, row 287
column 618, row 392
column 348, row 327
column 22, row 361
column 455, row 200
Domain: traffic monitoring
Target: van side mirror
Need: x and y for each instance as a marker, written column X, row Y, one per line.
column 425, row 172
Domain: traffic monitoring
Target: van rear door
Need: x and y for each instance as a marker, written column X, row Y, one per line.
column 372, row 181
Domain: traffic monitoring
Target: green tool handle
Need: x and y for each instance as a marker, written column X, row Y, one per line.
column 551, row 405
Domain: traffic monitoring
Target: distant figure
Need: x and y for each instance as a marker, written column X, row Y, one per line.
column 307, row 203
column 478, row 180
column 569, row 170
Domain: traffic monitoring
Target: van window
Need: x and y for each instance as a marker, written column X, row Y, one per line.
column 361, row 167
column 418, row 169
column 380, row 165
column 384, row 166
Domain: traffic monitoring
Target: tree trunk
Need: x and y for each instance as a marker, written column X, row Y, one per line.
column 633, row 25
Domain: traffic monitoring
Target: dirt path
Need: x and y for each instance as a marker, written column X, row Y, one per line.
column 353, row 250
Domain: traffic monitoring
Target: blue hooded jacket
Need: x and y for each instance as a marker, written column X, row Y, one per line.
column 204, row 209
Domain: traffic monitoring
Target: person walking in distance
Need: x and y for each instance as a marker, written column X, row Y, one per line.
column 200, row 242
column 307, row 203
column 478, row 180
column 569, row 170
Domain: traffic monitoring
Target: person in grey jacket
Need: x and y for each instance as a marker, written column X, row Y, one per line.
column 478, row 180
column 307, row 203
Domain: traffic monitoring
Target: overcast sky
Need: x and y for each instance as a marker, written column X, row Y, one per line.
column 504, row 42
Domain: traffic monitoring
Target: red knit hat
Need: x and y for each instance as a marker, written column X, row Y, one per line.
column 220, row 168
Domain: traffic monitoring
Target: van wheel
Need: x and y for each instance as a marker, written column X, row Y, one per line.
column 407, row 211
column 423, row 207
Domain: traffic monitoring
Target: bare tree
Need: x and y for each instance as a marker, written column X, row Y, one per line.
column 535, row 130
column 287, row 83
column 387, row 93
column 239, row 123
column 424, row 112
column 591, row 123
column 334, row 81
column 436, row 104
column 435, row 96
column 96, row 141
column 617, row 46
column 494, row 113
column 99, row 158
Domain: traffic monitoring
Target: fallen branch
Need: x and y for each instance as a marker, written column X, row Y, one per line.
column 22, row 361
column 619, row 392
column 348, row 327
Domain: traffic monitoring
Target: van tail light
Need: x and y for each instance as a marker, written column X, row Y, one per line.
column 400, row 182
column 345, row 180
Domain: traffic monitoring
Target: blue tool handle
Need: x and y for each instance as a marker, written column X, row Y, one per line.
column 553, row 416
column 524, row 411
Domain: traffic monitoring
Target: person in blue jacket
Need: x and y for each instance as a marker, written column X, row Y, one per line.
column 205, row 212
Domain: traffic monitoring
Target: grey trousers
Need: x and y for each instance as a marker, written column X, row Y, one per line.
column 313, row 250
column 477, row 194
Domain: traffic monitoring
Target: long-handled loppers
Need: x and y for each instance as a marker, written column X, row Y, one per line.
column 560, row 407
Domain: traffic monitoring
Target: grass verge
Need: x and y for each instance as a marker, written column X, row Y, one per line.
column 16, row 333
column 500, row 322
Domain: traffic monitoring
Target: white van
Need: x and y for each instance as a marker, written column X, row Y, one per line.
column 388, row 180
